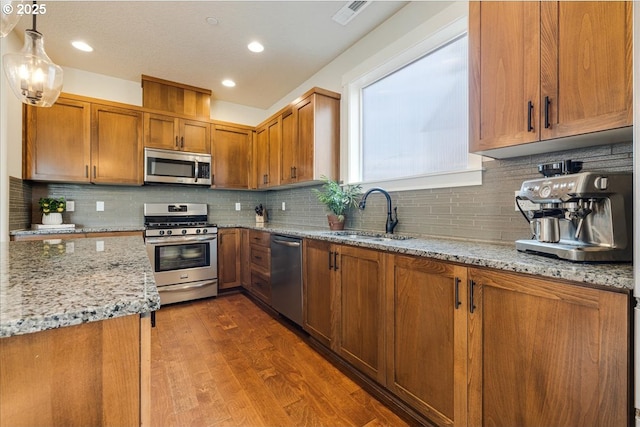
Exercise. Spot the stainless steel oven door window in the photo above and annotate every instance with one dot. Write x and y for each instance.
(177, 260)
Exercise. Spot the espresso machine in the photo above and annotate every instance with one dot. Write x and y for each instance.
(580, 216)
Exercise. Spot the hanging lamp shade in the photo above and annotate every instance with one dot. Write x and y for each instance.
(8, 16)
(33, 77)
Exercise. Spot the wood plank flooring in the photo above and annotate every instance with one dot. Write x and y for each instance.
(225, 362)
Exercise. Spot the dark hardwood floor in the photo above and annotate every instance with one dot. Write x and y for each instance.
(225, 362)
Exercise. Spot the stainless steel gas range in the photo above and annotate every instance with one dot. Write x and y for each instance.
(182, 248)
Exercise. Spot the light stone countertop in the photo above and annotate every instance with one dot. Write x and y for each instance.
(616, 276)
(44, 232)
(51, 284)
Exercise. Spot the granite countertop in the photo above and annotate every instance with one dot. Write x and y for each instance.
(44, 232)
(618, 276)
(56, 283)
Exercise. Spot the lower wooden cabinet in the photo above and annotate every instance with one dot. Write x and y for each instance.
(344, 303)
(228, 258)
(260, 261)
(473, 346)
(427, 336)
(245, 259)
(547, 354)
(93, 374)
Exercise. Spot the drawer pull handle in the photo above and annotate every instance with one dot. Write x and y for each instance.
(457, 293)
(472, 306)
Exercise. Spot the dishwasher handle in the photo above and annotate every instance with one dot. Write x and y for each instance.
(291, 244)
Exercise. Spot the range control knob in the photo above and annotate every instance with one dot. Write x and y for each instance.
(169, 232)
(161, 232)
(601, 182)
(197, 231)
(184, 231)
(205, 231)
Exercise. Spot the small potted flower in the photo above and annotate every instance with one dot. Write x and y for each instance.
(338, 199)
(52, 208)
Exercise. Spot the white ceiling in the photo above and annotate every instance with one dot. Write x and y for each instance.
(172, 40)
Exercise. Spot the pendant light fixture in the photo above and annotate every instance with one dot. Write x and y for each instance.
(9, 16)
(33, 77)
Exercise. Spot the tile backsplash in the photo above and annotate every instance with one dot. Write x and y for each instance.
(485, 212)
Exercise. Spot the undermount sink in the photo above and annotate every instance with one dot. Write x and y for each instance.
(363, 235)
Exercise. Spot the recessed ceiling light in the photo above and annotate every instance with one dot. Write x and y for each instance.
(228, 83)
(212, 21)
(255, 47)
(82, 46)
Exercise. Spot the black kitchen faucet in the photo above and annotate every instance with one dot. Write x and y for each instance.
(391, 222)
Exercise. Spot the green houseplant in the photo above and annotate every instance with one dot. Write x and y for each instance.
(52, 208)
(338, 199)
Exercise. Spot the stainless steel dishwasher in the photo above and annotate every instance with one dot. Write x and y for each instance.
(286, 276)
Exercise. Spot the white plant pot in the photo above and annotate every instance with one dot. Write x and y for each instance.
(54, 218)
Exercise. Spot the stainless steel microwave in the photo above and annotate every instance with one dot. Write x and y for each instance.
(176, 167)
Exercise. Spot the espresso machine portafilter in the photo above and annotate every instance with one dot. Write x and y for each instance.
(585, 216)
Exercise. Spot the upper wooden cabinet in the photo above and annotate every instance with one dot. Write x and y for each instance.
(230, 148)
(547, 70)
(116, 145)
(543, 353)
(78, 141)
(267, 153)
(57, 142)
(311, 138)
(173, 133)
(176, 98)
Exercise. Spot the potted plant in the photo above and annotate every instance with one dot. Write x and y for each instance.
(52, 208)
(338, 199)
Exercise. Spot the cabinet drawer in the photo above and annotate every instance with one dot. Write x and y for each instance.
(261, 238)
(261, 286)
(261, 257)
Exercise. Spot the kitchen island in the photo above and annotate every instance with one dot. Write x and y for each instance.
(75, 332)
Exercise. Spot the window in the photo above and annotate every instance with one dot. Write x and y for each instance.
(408, 118)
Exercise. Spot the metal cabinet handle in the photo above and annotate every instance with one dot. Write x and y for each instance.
(335, 261)
(295, 172)
(530, 117)
(177, 141)
(330, 265)
(94, 171)
(547, 105)
(182, 142)
(472, 306)
(86, 171)
(457, 292)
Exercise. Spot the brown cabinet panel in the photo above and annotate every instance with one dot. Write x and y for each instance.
(173, 133)
(261, 257)
(230, 150)
(360, 283)
(267, 153)
(427, 336)
(116, 146)
(228, 258)
(504, 45)
(89, 374)
(57, 143)
(245, 256)
(586, 53)
(161, 131)
(261, 286)
(289, 147)
(545, 353)
(319, 296)
(546, 70)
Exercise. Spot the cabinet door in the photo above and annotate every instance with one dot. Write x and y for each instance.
(289, 147)
(228, 258)
(306, 136)
(427, 336)
(195, 136)
(261, 156)
(504, 73)
(245, 256)
(161, 132)
(58, 142)
(230, 156)
(360, 287)
(586, 73)
(547, 354)
(275, 137)
(116, 145)
(319, 292)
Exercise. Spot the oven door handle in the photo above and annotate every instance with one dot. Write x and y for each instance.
(184, 288)
(179, 240)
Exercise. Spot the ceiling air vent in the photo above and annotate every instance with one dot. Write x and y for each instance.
(349, 11)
